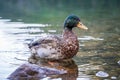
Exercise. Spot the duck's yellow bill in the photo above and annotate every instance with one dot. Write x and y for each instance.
(81, 26)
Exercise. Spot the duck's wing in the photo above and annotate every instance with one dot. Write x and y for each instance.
(45, 40)
(47, 47)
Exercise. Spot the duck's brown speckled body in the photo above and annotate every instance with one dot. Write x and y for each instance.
(57, 48)
(70, 44)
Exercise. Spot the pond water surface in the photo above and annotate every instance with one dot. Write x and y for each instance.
(97, 59)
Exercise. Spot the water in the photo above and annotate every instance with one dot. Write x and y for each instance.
(90, 60)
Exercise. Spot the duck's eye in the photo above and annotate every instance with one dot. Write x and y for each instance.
(80, 23)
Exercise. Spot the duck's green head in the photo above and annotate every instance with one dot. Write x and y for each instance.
(73, 21)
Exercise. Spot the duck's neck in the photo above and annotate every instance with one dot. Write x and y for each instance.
(67, 33)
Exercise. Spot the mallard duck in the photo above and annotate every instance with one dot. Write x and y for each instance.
(56, 48)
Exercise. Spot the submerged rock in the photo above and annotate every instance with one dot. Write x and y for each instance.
(45, 70)
(33, 72)
(102, 74)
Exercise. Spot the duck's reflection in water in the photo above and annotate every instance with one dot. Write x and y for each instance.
(41, 69)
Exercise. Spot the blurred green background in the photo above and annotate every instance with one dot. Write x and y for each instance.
(54, 11)
(98, 15)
